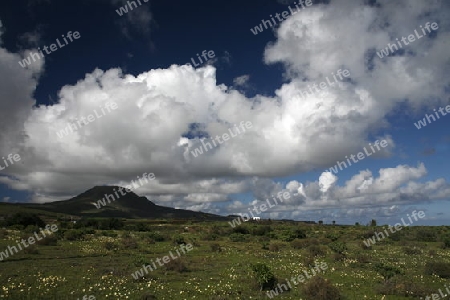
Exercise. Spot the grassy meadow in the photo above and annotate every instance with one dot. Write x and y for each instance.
(86, 259)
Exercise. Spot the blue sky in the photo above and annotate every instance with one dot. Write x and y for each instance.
(140, 61)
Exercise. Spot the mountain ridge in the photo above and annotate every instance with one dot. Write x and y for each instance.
(130, 206)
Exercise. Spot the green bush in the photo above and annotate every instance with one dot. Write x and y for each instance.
(368, 234)
(111, 246)
(426, 235)
(31, 229)
(446, 243)
(50, 240)
(412, 250)
(32, 249)
(264, 276)
(148, 297)
(362, 258)
(297, 244)
(179, 240)
(237, 237)
(396, 237)
(319, 288)
(290, 235)
(309, 261)
(241, 230)
(339, 256)
(24, 219)
(109, 233)
(110, 224)
(74, 235)
(316, 250)
(216, 247)
(261, 230)
(299, 233)
(332, 236)
(387, 271)
(400, 286)
(176, 265)
(441, 269)
(275, 247)
(210, 237)
(87, 222)
(338, 247)
(129, 243)
(142, 227)
(156, 236)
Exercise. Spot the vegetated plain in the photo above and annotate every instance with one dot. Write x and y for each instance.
(96, 256)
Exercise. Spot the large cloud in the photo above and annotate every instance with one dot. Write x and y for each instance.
(162, 114)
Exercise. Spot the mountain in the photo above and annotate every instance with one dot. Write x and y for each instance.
(130, 206)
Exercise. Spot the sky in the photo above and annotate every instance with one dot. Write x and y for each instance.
(281, 90)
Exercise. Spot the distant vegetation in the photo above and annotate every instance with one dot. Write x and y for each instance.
(100, 254)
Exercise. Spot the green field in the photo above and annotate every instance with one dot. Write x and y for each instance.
(410, 264)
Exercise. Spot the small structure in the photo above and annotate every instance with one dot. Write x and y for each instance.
(256, 218)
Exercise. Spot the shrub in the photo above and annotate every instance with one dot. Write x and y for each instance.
(297, 244)
(364, 246)
(441, 269)
(241, 230)
(210, 237)
(412, 251)
(142, 227)
(309, 261)
(304, 243)
(339, 256)
(32, 249)
(368, 234)
(156, 236)
(111, 224)
(31, 229)
(217, 230)
(261, 230)
(73, 235)
(24, 219)
(338, 247)
(403, 287)
(109, 233)
(387, 271)
(264, 276)
(432, 252)
(321, 289)
(299, 233)
(426, 235)
(396, 237)
(179, 240)
(148, 297)
(275, 247)
(216, 248)
(362, 258)
(332, 236)
(176, 265)
(446, 243)
(141, 260)
(316, 250)
(110, 246)
(290, 235)
(87, 222)
(194, 242)
(129, 243)
(237, 237)
(50, 240)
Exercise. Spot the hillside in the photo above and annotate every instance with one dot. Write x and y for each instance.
(129, 206)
